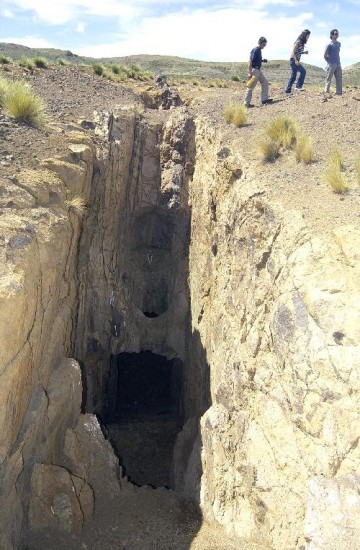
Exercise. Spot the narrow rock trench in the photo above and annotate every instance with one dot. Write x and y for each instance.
(143, 419)
(144, 372)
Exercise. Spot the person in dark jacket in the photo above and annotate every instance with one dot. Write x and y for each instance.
(295, 62)
(256, 75)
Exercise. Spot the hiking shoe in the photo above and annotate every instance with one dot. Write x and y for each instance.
(267, 101)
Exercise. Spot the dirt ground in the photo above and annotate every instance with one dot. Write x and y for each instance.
(71, 96)
(158, 519)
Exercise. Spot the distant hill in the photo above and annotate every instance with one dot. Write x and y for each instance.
(351, 75)
(277, 71)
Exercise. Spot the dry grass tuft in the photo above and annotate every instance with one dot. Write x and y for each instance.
(236, 114)
(282, 129)
(23, 104)
(357, 169)
(336, 161)
(3, 89)
(269, 149)
(240, 115)
(303, 149)
(76, 204)
(334, 178)
(229, 112)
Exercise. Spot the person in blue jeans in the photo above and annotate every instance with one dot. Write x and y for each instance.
(332, 57)
(295, 63)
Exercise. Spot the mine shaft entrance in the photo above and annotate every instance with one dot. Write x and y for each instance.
(144, 415)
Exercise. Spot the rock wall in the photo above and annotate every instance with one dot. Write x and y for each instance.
(263, 315)
(40, 389)
(277, 311)
(134, 256)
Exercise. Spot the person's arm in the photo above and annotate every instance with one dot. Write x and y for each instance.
(293, 56)
(326, 53)
(250, 63)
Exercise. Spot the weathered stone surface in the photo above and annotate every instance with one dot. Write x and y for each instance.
(277, 312)
(90, 456)
(40, 390)
(59, 499)
(332, 519)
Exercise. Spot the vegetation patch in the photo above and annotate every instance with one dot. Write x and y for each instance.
(236, 114)
(76, 204)
(40, 63)
(282, 129)
(269, 149)
(303, 149)
(20, 101)
(357, 169)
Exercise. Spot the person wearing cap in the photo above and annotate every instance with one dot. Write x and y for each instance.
(295, 63)
(332, 57)
(256, 74)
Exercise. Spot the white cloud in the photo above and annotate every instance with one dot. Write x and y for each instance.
(7, 13)
(30, 41)
(80, 27)
(221, 35)
(57, 12)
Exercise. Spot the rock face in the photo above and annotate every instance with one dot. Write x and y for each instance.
(40, 390)
(277, 310)
(134, 258)
(179, 254)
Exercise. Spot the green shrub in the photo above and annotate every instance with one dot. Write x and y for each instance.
(26, 63)
(235, 78)
(62, 62)
(98, 69)
(4, 60)
(40, 63)
(116, 69)
(23, 104)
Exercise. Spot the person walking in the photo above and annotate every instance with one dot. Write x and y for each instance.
(295, 63)
(332, 57)
(256, 75)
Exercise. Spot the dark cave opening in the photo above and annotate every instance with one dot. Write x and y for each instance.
(143, 418)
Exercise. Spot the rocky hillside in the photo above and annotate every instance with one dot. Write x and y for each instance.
(172, 67)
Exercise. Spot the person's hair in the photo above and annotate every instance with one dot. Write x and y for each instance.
(333, 32)
(303, 37)
(262, 40)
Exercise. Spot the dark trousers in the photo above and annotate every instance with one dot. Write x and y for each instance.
(294, 70)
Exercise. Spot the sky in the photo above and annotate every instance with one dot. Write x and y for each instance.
(208, 30)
